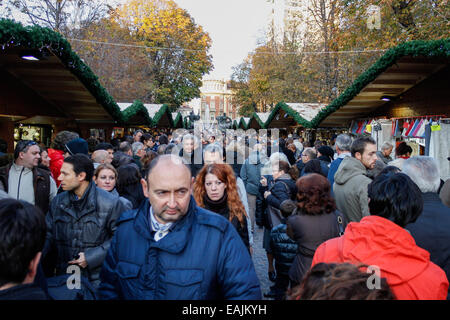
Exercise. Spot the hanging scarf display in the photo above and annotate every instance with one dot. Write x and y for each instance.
(421, 132)
(411, 125)
(411, 132)
(398, 131)
(419, 125)
(405, 127)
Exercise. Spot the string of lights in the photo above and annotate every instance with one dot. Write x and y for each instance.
(198, 50)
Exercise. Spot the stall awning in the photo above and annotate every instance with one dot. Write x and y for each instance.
(286, 115)
(177, 119)
(397, 71)
(151, 115)
(257, 120)
(41, 63)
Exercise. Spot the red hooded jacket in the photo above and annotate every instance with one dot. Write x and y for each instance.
(379, 242)
(56, 162)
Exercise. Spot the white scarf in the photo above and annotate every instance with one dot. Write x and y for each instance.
(161, 230)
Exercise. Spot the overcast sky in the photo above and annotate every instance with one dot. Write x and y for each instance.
(234, 27)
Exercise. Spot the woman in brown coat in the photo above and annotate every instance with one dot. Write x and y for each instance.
(314, 223)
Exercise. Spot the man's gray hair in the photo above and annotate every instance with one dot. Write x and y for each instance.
(213, 148)
(386, 146)
(344, 142)
(136, 146)
(191, 137)
(424, 172)
(99, 156)
(310, 152)
(188, 137)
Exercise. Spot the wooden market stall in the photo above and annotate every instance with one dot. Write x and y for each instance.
(45, 88)
(395, 99)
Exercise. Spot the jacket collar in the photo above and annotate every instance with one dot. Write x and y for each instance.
(87, 203)
(18, 168)
(178, 236)
(284, 176)
(431, 196)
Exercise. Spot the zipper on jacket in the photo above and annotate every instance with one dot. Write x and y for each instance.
(20, 178)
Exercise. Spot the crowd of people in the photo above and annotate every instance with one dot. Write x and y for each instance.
(171, 215)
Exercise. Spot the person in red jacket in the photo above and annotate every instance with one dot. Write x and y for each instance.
(56, 152)
(380, 241)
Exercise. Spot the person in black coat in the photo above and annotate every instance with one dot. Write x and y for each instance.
(288, 152)
(431, 229)
(284, 250)
(81, 222)
(129, 184)
(283, 188)
(191, 154)
(22, 238)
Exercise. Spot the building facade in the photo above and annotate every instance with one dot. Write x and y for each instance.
(215, 100)
(290, 18)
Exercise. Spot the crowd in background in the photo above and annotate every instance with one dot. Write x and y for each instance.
(330, 210)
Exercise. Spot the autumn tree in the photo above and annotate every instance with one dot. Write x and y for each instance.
(111, 53)
(242, 96)
(5, 10)
(318, 62)
(61, 15)
(176, 48)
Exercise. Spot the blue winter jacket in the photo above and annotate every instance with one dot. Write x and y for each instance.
(283, 248)
(332, 171)
(201, 258)
(334, 166)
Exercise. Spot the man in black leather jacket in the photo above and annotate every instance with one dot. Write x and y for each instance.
(81, 221)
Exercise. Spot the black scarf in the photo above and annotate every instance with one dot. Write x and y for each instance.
(325, 158)
(220, 206)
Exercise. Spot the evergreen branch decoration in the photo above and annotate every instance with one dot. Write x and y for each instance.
(14, 34)
(137, 108)
(416, 48)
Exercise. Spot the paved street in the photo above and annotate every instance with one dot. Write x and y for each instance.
(260, 261)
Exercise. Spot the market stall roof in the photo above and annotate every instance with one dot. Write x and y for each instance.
(243, 123)
(235, 124)
(54, 75)
(177, 119)
(135, 114)
(258, 119)
(292, 114)
(161, 116)
(397, 71)
(150, 115)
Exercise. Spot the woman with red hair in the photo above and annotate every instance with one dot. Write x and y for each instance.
(215, 189)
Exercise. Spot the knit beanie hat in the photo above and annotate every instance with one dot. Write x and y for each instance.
(77, 146)
(326, 151)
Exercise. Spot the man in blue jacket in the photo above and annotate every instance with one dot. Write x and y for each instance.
(170, 248)
(343, 144)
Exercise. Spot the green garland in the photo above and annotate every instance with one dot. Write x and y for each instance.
(158, 116)
(257, 119)
(291, 112)
(242, 124)
(432, 49)
(177, 120)
(137, 108)
(36, 38)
